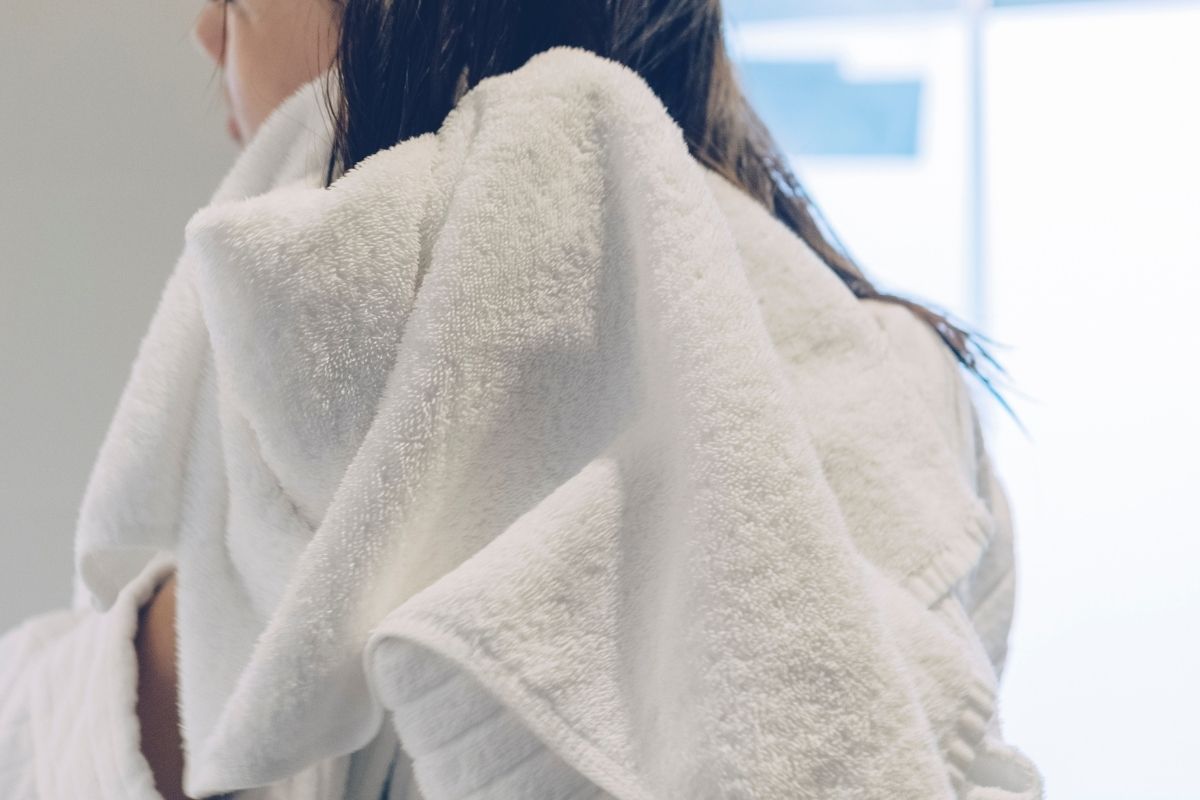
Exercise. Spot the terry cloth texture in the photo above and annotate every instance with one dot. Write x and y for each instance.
(549, 447)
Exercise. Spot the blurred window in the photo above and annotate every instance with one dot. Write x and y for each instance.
(1032, 166)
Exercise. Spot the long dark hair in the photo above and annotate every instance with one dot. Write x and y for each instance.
(401, 65)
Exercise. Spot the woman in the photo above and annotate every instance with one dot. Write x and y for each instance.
(400, 68)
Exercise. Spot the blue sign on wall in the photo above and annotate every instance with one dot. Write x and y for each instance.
(813, 110)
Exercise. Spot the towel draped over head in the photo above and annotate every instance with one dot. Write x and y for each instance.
(551, 447)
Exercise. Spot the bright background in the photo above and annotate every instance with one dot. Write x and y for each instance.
(1030, 166)
(1033, 167)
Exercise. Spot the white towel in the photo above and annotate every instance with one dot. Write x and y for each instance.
(553, 443)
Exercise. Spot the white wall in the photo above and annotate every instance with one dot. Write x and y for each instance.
(1095, 274)
(111, 135)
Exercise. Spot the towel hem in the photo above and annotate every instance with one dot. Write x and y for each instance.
(509, 688)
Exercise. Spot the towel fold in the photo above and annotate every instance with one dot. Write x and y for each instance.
(553, 443)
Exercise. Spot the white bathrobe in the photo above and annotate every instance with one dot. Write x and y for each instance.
(529, 460)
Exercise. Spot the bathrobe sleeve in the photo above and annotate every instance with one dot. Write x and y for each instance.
(68, 700)
(991, 595)
(985, 596)
(987, 592)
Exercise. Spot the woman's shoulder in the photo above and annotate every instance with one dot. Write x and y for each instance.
(935, 374)
(987, 594)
